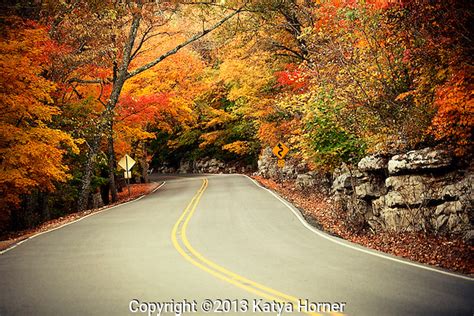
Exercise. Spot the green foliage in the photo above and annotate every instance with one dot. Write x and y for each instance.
(329, 142)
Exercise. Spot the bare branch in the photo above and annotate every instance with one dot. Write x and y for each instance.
(87, 81)
(122, 69)
(142, 40)
(79, 95)
(223, 6)
(185, 43)
(99, 98)
(138, 52)
(292, 52)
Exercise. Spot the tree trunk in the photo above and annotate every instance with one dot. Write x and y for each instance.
(119, 81)
(112, 165)
(143, 162)
(88, 170)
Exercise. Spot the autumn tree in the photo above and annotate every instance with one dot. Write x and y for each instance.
(354, 76)
(439, 52)
(31, 151)
(139, 22)
(333, 79)
(160, 100)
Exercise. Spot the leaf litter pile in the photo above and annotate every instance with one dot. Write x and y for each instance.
(136, 190)
(450, 253)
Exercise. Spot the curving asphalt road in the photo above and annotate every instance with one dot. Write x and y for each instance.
(214, 237)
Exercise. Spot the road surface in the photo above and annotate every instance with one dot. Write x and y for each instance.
(219, 238)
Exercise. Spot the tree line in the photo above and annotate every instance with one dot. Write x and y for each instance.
(84, 82)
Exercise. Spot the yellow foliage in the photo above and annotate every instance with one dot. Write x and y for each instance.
(245, 70)
(238, 147)
(210, 138)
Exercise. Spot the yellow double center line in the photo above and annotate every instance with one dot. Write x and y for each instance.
(197, 259)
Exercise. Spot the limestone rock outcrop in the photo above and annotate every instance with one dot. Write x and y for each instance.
(417, 191)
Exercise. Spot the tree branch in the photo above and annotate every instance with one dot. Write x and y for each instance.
(185, 43)
(138, 51)
(222, 6)
(87, 81)
(293, 52)
(142, 40)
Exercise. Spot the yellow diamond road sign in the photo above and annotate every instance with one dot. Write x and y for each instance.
(126, 163)
(280, 150)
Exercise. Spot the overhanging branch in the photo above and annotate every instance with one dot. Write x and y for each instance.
(86, 81)
(185, 43)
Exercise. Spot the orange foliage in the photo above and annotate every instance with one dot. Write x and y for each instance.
(269, 133)
(160, 98)
(31, 153)
(454, 121)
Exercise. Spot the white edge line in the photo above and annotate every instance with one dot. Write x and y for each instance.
(77, 220)
(347, 243)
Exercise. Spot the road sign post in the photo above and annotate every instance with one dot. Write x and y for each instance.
(127, 179)
(281, 163)
(127, 163)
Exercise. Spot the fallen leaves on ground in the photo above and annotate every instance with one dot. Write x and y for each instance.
(136, 190)
(448, 252)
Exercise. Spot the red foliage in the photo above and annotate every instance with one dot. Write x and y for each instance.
(136, 190)
(292, 78)
(146, 108)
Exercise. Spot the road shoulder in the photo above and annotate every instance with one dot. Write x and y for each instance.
(445, 254)
(13, 239)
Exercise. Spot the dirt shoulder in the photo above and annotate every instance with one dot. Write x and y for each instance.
(136, 191)
(450, 253)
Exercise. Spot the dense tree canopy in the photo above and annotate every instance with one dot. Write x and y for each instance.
(84, 82)
(32, 151)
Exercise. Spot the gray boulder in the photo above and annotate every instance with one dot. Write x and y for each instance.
(461, 190)
(371, 189)
(372, 163)
(413, 190)
(304, 181)
(448, 208)
(419, 160)
(185, 167)
(345, 180)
